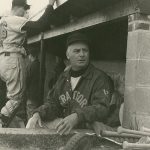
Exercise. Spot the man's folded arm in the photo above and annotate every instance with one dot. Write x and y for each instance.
(100, 103)
(51, 108)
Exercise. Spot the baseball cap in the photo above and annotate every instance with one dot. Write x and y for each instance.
(77, 37)
(22, 3)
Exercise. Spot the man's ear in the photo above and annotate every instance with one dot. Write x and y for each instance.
(68, 57)
(67, 54)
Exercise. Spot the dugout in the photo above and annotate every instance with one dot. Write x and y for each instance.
(119, 34)
(119, 31)
(100, 21)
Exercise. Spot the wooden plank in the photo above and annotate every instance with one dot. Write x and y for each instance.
(116, 11)
(79, 8)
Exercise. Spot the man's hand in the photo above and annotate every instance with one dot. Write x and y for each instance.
(35, 120)
(67, 124)
(51, 2)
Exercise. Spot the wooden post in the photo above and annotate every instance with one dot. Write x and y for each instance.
(42, 67)
(137, 84)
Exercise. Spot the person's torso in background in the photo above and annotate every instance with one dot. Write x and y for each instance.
(11, 36)
(33, 72)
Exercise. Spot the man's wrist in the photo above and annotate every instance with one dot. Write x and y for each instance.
(76, 118)
(36, 115)
(51, 2)
(80, 115)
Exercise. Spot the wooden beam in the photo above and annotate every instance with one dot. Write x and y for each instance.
(116, 11)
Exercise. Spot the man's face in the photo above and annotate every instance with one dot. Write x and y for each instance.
(21, 11)
(78, 55)
(26, 14)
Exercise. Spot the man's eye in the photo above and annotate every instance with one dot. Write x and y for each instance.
(76, 50)
(85, 50)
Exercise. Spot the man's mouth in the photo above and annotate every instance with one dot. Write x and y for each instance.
(81, 60)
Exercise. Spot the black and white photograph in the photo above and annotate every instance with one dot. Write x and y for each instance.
(74, 74)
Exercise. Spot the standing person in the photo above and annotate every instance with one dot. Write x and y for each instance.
(13, 30)
(33, 77)
(81, 95)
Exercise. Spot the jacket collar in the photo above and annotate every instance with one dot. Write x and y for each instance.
(88, 74)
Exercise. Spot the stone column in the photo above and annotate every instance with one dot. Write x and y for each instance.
(137, 83)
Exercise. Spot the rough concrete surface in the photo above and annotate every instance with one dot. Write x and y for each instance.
(43, 139)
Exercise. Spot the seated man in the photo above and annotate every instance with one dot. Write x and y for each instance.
(81, 95)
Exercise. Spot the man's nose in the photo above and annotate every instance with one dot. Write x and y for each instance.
(82, 53)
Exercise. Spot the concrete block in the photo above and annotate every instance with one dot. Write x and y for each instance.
(138, 25)
(39, 139)
(142, 98)
(138, 16)
(129, 120)
(132, 46)
(138, 45)
(130, 77)
(142, 120)
(144, 45)
(31, 139)
(129, 96)
(143, 73)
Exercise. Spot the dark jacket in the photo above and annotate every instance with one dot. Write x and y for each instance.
(90, 99)
(116, 101)
(41, 24)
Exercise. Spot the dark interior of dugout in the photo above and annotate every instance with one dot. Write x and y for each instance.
(108, 48)
(108, 41)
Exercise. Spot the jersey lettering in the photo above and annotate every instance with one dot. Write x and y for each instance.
(77, 96)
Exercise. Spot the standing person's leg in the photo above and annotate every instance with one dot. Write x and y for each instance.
(2, 93)
(12, 71)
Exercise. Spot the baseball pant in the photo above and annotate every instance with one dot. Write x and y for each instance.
(13, 73)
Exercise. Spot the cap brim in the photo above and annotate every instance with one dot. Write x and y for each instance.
(77, 40)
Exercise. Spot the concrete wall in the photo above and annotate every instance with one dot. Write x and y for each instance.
(111, 66)
(46, 139)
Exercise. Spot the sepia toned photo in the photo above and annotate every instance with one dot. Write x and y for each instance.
(74, 75)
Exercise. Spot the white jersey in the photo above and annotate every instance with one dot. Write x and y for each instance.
(11, 36)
